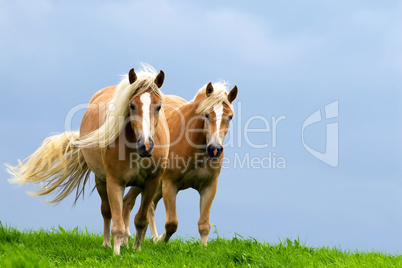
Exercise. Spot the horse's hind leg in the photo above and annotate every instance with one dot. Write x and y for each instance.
(140, 220)
(206, 197)
(169, 191)
(128, 204)
(105, 210)
(151, 213)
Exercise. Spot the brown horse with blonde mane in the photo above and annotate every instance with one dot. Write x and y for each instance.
(122, 126)
(197, 130)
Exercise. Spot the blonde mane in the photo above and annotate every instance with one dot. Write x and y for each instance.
(118, 108)
(218, 96)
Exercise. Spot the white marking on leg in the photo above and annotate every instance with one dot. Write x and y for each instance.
(218, 109)
(146, 120)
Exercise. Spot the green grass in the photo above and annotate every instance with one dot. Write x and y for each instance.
(61, 248)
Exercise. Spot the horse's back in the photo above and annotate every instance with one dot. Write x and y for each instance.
(175, 101)
(105, 94)
(96, 110)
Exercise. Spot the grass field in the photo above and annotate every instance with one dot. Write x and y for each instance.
(61, 248)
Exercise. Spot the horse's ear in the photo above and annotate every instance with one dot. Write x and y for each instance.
(160, 78)
(132, 77)
(232, 94)
(209, 89)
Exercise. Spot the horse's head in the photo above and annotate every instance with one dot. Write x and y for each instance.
(216, 122)
(144, 108)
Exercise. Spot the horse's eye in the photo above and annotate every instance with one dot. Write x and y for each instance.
(132, 106)
(207, 116)
(230, 117)
(158, 107)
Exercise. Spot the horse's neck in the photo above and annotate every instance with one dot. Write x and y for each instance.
(127, 135)
(196, 137)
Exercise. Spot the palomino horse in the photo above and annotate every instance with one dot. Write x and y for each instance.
(197, 130)
(122, 124)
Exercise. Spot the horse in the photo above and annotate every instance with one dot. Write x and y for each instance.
(197, 130)
(123, 125)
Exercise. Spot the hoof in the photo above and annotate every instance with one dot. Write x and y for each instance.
(125, 240)
(137, 248)
(157, 239)
(106, 245)
(117, 250)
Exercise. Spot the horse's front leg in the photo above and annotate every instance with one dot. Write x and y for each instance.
(207, 195)
(115, 191)
(141, 220)
(128, 204)
(105, 210)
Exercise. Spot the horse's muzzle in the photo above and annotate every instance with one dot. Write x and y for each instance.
(214, 151)
(145, 148)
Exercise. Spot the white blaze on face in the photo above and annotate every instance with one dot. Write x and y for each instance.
(146, 119)
(218, 109)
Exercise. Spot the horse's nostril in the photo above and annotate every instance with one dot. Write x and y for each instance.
(140, 144)
(214, 150)
(145, 146)
(151, 143)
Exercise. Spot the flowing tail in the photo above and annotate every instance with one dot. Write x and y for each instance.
(57, 166)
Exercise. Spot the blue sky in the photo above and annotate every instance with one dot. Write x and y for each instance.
(288, 59)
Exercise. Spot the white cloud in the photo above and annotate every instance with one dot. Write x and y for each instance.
(253, 40)
(23, 10)
(382, 25)
(232, 33)
(35, 10)
(370, 19)
(138, 16)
